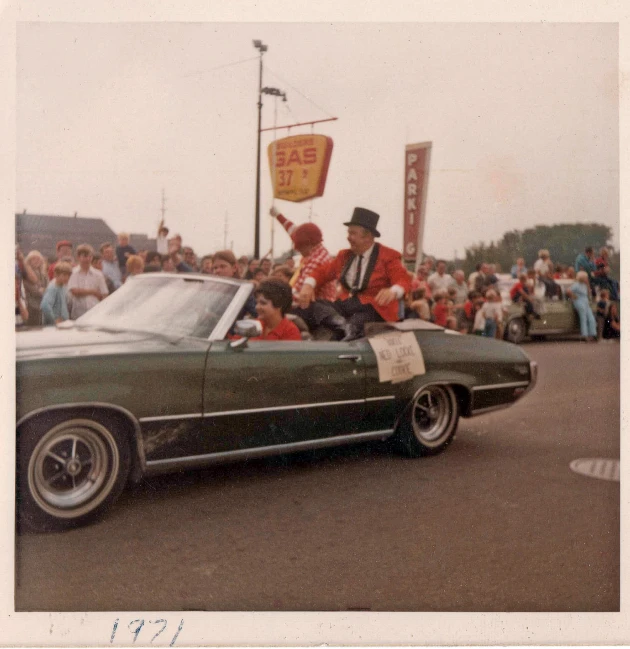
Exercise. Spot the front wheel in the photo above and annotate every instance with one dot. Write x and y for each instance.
(69, 472)
(516, 330)
(430, 422)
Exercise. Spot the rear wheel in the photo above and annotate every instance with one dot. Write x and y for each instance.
(68, 472)
(430, 422)
(516, 330)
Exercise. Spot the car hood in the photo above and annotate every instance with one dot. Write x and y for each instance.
(51, 342)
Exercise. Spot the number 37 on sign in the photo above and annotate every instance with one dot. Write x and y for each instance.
(299, 166)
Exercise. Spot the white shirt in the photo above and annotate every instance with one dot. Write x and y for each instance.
(93, 279)
(352, 270)
(161, 245)
(542, 267)
(492, 310)
(439, 282)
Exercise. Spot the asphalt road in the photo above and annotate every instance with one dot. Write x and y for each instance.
(498, 522)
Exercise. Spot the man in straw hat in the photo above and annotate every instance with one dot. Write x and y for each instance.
(372, 276)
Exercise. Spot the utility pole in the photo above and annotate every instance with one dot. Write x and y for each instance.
(163, 208)
(262, 48)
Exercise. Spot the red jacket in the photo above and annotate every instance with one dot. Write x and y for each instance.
(384, 273)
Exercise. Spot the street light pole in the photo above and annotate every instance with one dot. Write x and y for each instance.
(261, 47)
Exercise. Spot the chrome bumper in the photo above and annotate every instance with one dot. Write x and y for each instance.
(533, 377)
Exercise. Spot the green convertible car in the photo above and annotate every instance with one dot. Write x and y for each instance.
(149, 382)
(557, 316)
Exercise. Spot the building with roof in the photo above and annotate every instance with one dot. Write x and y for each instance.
(41, 232)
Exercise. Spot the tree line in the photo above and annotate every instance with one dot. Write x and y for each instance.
(564, 242)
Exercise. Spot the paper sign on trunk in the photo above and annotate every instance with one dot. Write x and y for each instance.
(398, 356)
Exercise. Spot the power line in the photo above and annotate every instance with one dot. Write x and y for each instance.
(219, 67)
(296, 90)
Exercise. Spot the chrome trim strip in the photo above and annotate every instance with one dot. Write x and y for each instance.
(96, 404)
(387, 398)
(142, 420)
(498, 386)
(159, 466)
(250, 411)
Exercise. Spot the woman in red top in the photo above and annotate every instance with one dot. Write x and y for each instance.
(273, 300)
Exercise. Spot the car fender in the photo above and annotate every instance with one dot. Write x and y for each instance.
(139, 464)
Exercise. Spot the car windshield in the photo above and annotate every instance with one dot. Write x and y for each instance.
(168, 305)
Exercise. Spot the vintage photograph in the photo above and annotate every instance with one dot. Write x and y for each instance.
(316, 317)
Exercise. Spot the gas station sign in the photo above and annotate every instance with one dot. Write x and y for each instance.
(299, 166)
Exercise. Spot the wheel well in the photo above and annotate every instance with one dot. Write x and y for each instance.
(462, 394)
(101, 413)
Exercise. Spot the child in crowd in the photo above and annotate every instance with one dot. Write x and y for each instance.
(607, 317)
(466, 315)
(451, 319)
(419, 304)
(134, 265)
(283, 273)
(123, 251)
(440, 308)
(54, 304)
(492, 313)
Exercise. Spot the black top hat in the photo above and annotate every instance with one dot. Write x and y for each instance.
(366, 219)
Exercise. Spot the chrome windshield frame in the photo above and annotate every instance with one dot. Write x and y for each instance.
(220, 331)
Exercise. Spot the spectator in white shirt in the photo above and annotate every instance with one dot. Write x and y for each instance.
(86, 287)
(440, 281)
(461, 287)
(162, 239)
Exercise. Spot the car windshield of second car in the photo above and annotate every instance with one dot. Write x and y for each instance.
(173, 306)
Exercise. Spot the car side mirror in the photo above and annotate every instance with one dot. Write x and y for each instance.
(246, 329)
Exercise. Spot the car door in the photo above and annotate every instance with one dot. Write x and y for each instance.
(558, 316)
(272, 393)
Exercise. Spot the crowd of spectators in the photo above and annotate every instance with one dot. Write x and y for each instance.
(50, 291)
(475, 305)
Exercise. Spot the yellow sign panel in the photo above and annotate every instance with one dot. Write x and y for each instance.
(299, 166)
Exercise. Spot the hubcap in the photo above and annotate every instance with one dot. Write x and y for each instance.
(73, 468)
(431, 414)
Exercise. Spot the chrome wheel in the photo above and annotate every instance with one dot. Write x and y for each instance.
(431, 414)
(73, 468)
(516, 330)
(431, 421)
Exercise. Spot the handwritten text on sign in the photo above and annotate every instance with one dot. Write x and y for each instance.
(398, 356)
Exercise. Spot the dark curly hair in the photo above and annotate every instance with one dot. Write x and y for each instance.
(277, 292)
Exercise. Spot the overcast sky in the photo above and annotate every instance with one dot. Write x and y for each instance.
(523, 118)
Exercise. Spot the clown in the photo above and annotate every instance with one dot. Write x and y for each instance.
(308, 241)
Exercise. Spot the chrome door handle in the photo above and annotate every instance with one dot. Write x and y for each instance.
(349, 357)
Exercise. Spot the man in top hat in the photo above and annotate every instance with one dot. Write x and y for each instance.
(372, 276)
(308, 241)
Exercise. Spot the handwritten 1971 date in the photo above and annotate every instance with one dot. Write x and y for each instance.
(135, 626)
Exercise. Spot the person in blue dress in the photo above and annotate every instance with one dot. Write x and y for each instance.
(579, 292)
